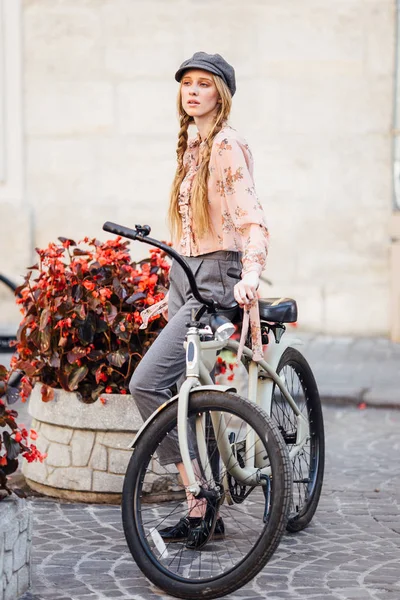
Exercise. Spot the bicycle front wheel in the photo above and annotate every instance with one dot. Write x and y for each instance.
(248, 528)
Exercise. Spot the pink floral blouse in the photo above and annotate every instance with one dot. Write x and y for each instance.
(237, 217)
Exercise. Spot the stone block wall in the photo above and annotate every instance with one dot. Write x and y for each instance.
(88, 447)
(15, 548)
(92, 461)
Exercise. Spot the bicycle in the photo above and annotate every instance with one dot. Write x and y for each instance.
(5, 336)
(236, 459)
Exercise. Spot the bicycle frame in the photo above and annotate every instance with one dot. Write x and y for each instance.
(262, 377)
(200, 359)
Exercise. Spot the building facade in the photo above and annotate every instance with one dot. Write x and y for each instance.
(89, 129)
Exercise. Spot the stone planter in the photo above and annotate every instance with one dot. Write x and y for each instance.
(87, 447)
(15, 547)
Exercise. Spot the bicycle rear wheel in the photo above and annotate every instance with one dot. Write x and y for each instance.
(308, 464)
(254, 522)
(9, 311)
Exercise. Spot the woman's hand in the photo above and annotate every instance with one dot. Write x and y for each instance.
(245, 290)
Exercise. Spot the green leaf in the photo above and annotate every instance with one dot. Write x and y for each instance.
(77, 292)
(117, 359)
(47, 393)
(87, 329)
(102, 326)
(44, 318)
(79, 252)
(55, 360)
(76, 353)
(62, 376)
(110, 312)
(25, 323)
(97, 392)
(95, 355)
(119, 289)
(76, 377)
(3, 373)
(12, 447)
(121, 327)
(135, 297)
(12, 395)
(45, 339)
(81, 311)
(63, 239)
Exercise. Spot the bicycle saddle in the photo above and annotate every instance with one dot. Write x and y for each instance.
(274, 310)
(278, 310)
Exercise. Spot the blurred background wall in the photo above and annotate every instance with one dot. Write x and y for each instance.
(89, 131)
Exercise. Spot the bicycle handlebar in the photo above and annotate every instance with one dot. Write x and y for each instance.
(141, 234)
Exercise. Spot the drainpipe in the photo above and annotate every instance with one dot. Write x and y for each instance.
(395, 217)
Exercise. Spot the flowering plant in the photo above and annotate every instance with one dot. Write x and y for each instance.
(13, 439)
(225, 365)
(81, 315)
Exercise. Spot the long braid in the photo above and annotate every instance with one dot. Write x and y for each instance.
(175, 224)
(182, 139)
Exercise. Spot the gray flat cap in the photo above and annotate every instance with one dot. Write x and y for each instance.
(214, 63)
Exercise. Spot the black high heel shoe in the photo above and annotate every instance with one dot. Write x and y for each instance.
(180, 531)
(199, 536)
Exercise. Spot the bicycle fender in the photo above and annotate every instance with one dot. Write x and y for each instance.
(273, 352)
(216, 388)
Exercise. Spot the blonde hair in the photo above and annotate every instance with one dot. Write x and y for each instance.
(199, 192)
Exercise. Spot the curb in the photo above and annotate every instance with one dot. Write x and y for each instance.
(358, 402)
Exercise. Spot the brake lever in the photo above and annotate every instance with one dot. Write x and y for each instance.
(143, 230)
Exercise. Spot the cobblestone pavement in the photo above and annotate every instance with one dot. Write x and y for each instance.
(351, 550)
(354, 370)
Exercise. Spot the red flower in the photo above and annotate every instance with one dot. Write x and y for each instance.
(89, 285)
(18, 437)
(103, 400)
(33, 454)
(3, 461)
(108, 390)
(105, 293)
(33, 435)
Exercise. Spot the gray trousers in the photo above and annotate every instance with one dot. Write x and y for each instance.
(164, 363)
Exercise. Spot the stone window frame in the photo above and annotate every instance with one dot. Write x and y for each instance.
(11, 128)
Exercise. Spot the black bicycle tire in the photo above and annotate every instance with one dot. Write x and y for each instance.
(6, 339)
(294, 358)
(265, 546)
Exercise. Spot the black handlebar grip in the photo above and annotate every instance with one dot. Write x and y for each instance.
(234, 273)
(120, 230)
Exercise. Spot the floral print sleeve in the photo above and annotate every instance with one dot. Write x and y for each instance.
(242, 209)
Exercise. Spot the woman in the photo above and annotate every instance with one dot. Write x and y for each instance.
(216, 222)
